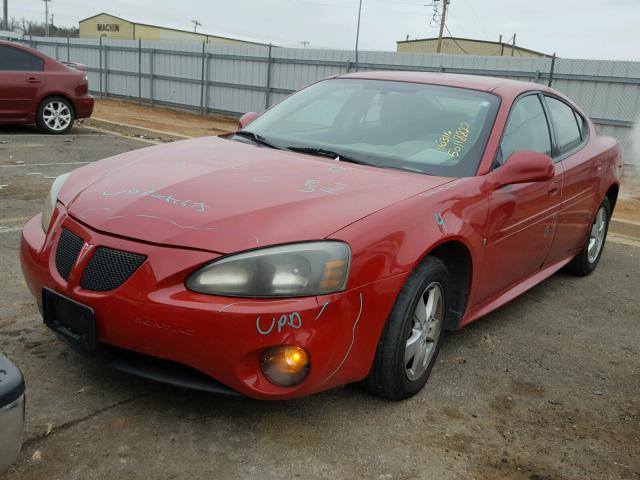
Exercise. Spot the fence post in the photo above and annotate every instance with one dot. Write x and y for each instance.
(68, 50)
(106, 70)
(151, 71)
(140, 70)
(100, 55)
(553, 66)
(202, 79)
(206, 84)
(57, 55)
(267, 96)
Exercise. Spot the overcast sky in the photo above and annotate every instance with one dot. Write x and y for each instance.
(602, 29)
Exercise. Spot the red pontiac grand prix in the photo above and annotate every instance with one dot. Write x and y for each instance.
(332, 239)
(35, 88)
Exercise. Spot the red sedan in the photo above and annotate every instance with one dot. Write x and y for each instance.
(37, 89)
(333, 239)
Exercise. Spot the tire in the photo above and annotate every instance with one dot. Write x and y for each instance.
(587, 260)
(55, 116)
(392, 376)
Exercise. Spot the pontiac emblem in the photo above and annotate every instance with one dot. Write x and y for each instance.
(86, 248)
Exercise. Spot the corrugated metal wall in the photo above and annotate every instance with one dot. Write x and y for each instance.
(233, 80)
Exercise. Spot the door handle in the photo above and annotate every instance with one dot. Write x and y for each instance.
(554, 188)
(33, 80)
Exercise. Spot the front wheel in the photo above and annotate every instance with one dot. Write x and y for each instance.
(587, 260)
(411, 339)
(55, 115)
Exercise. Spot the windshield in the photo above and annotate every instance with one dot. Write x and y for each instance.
(423, 128)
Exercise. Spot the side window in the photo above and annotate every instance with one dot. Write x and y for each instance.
(583, 125)
(18, 60)
(563, 118)
(526, 129)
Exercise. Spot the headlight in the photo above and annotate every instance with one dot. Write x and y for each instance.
(50, 201)
(302, 269)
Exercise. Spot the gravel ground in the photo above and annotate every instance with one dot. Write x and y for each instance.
(547, 387)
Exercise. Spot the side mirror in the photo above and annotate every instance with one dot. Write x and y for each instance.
(11, 412)
(246, 119)
(523, 166)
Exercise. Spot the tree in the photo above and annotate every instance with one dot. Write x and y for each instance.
(38, 29)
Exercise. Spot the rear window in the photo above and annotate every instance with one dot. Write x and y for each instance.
(14, 59)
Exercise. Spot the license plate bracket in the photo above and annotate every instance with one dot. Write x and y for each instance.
(74, 322)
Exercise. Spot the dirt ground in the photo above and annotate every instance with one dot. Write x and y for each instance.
(162, 119)
(629, 201)
(545, 388)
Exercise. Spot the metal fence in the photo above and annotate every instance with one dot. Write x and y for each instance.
(232, 80)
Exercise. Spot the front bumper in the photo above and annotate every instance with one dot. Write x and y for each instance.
(154, 314)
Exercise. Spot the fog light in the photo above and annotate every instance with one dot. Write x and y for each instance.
(285, 365)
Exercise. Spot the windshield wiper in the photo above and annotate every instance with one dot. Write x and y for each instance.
(323, 152)
(256, 138)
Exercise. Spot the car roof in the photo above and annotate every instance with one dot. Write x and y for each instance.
(500, 86)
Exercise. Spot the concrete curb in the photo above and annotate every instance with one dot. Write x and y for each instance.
(134, 130)
(626, 228)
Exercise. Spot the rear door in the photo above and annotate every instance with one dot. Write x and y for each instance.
(580, 185)
(22, 80)
(521, 217)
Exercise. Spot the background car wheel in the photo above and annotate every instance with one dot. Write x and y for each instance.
(55, 115)
(411, 339)
(587, 260)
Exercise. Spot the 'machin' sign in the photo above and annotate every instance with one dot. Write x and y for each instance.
(108, 27)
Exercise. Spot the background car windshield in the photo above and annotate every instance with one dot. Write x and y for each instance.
(424, 128)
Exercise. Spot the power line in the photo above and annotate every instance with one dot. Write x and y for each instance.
(475, 14)
(455, 41)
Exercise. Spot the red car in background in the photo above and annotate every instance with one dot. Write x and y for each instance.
(332, 239)
(35, 88)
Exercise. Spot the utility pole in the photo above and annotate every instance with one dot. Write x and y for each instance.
(46, 17)
(513, 45)
(445, 3)
(5, 16)
(304, 44)
(196, 24)
(358, 31)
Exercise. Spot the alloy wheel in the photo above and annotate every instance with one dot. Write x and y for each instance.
(596, 236)
(56, 115)
(425, 332)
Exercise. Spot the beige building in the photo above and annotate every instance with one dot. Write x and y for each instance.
(466, 46)
(110, 26)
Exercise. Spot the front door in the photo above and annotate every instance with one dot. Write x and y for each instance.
(522, 217)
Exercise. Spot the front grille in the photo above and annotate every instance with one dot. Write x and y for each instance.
(67, 251)
(109, 268)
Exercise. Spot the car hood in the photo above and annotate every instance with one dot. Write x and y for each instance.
(226, 196)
